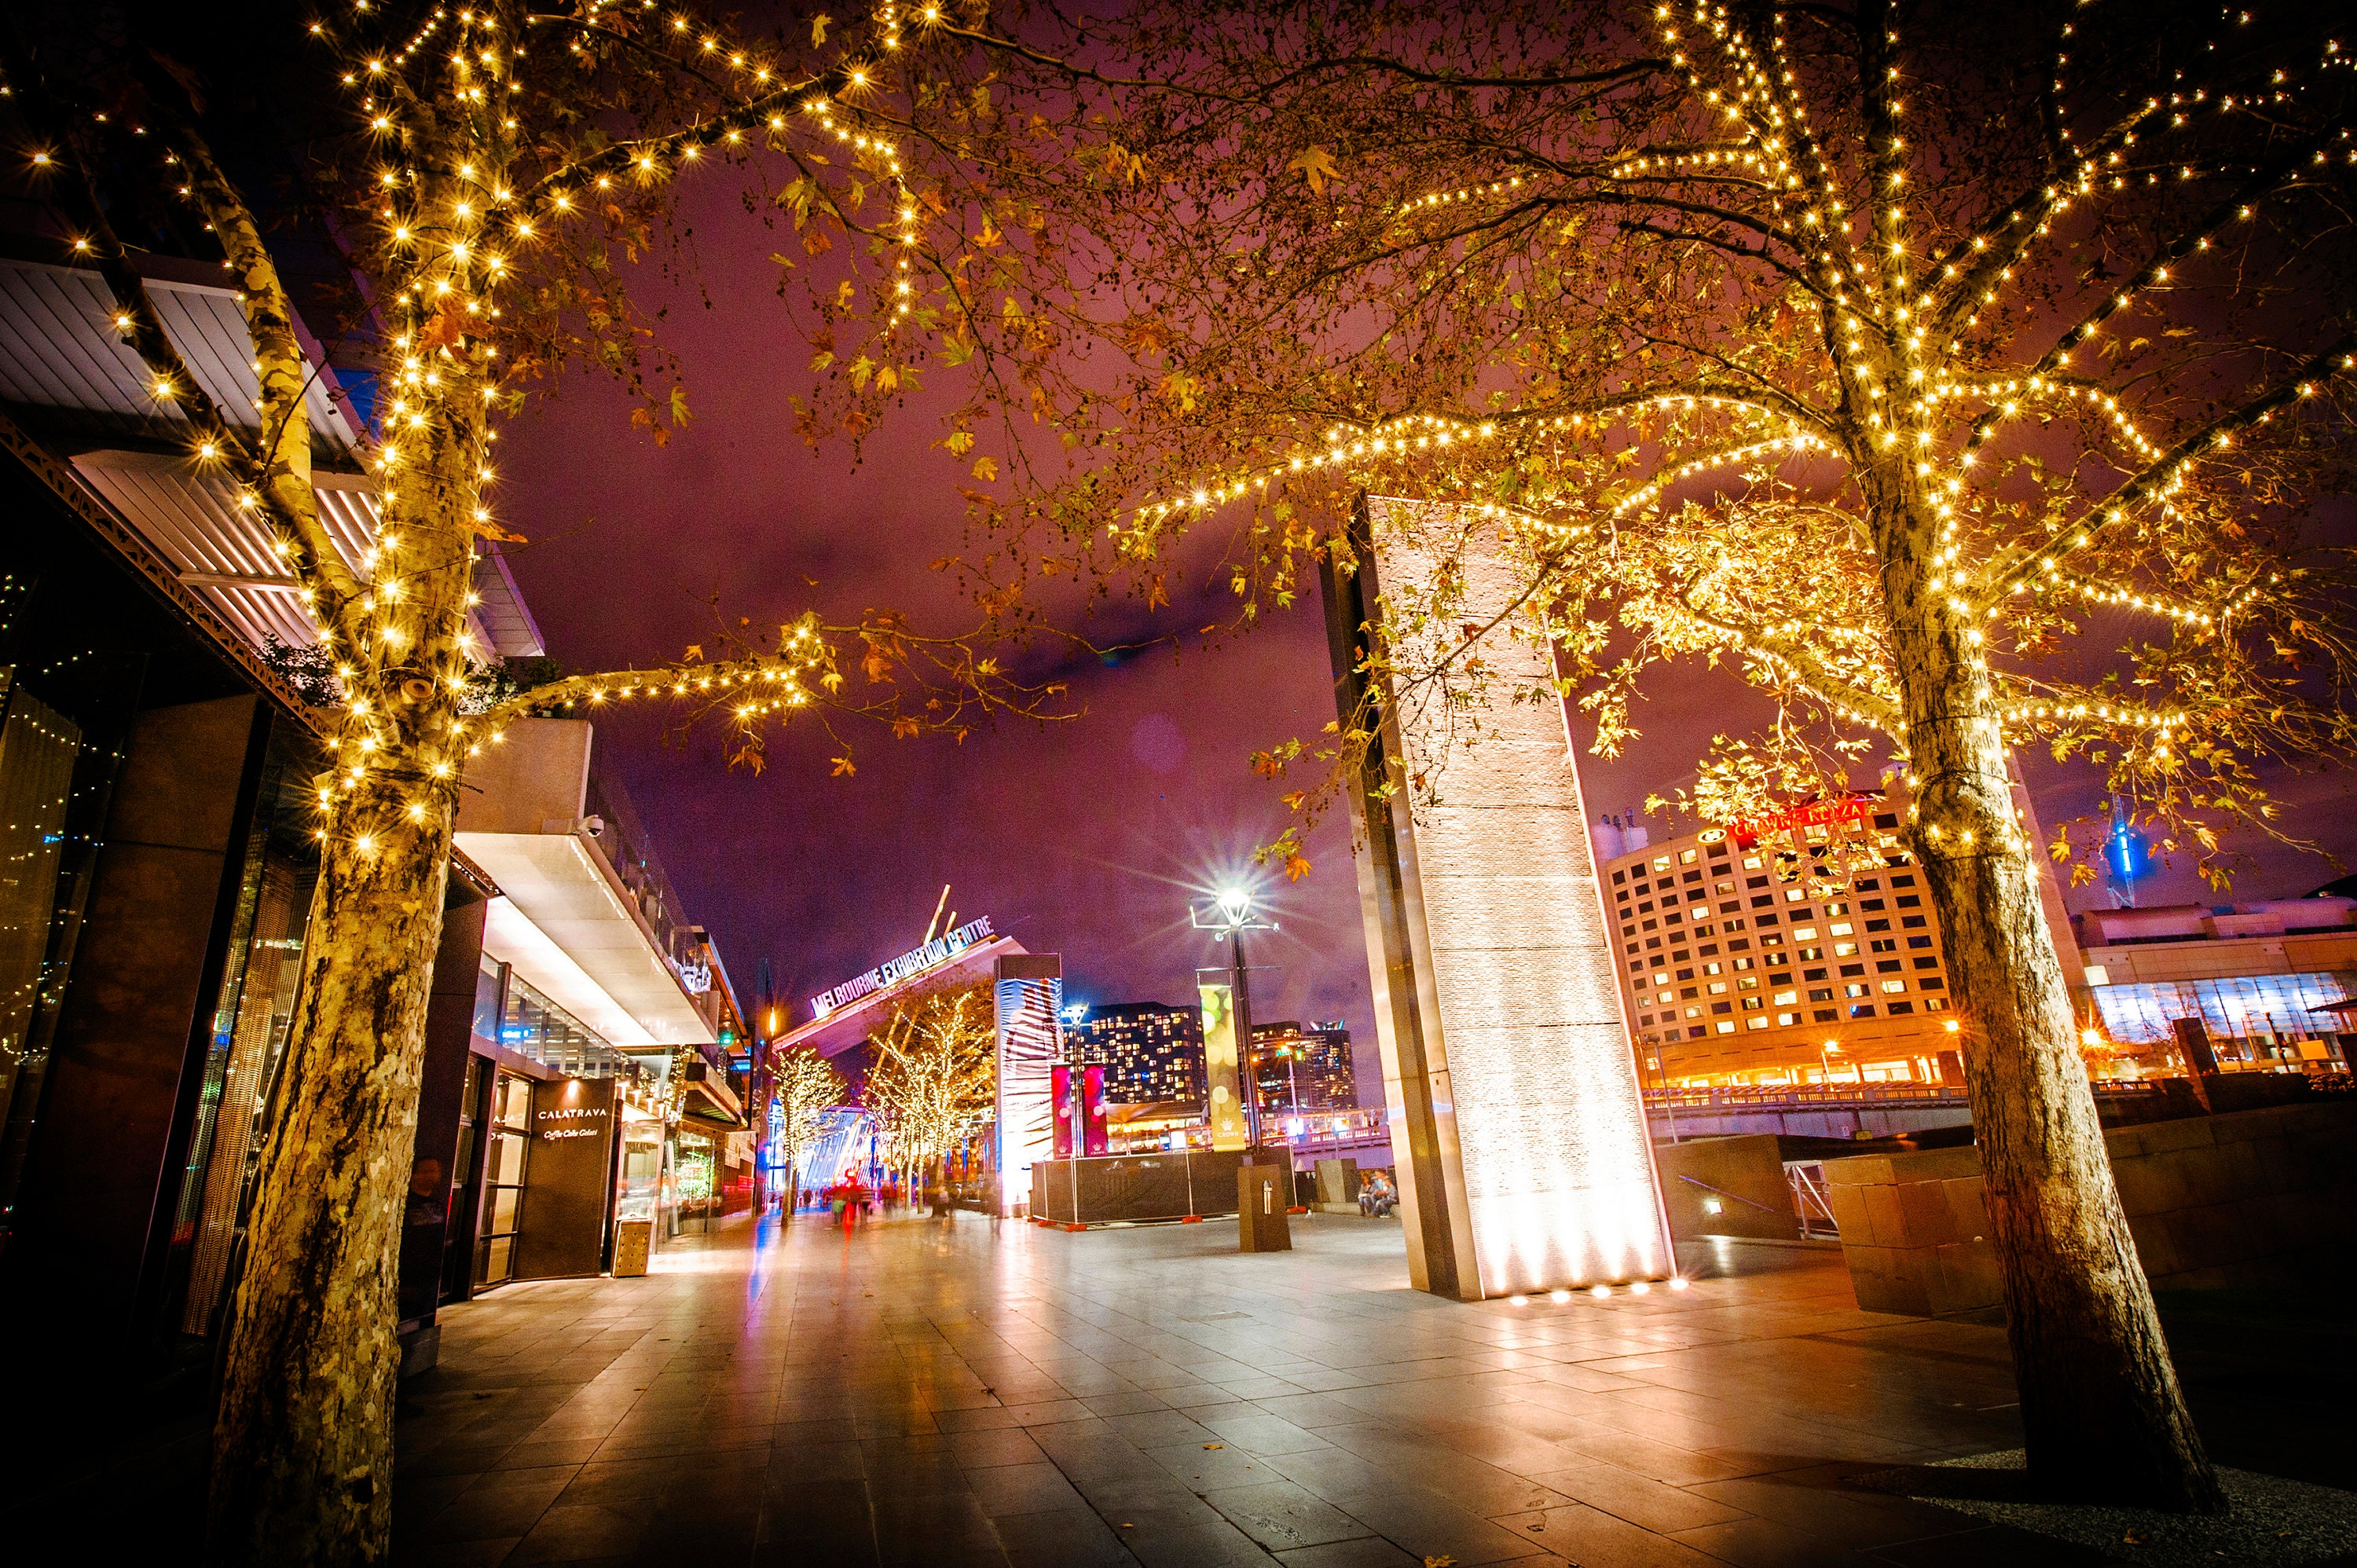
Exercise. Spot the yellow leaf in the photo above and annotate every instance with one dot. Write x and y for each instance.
(818, 29)
(1295, 867)
(984, 469)
(694, 654)
(842, 766)
(1317, 166)
(960, 443)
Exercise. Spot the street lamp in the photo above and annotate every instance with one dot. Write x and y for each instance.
(1825, 1053)
(1228, 917)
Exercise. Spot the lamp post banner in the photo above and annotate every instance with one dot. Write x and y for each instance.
(1223, 1077)
(1518, 1124)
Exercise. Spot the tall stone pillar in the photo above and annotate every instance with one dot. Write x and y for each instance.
(1518, 1128)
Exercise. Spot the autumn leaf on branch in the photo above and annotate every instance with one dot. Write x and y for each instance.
(1317, 166)
(842, 766)
(819, 25)
(442, 331)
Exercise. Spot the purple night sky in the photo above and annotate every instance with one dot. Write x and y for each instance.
(1086, 837)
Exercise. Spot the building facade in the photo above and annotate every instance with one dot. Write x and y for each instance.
(157, 872)
(2263, 978)
(1801, 949)
(1296, 1068)
(1152, 1051)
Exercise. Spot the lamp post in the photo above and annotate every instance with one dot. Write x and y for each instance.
(1228, 918)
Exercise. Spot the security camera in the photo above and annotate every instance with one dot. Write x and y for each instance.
(594, 826)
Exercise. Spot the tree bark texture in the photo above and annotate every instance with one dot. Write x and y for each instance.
(302, 1467)
(2102, 1410)
(302, 1443)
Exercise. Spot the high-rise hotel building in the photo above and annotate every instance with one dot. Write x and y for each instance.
(1304, 1068)
(1152, 1051)
(1800, 948)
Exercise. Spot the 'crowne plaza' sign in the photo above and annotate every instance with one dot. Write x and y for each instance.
(915, 961)
(1817, 813)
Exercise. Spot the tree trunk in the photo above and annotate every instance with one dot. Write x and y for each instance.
(302, 1468)
(2102, 1411)
(302, 1464)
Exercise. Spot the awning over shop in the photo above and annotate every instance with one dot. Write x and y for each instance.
(62, 360)
(710, 1100)
(574, 937)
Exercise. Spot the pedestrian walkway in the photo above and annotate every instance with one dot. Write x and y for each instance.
(972, 1391)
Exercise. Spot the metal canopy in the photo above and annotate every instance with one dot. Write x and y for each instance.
(62, 359)
(581, 943)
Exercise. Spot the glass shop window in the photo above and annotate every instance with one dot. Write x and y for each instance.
(509, 1149)
(252, 1017)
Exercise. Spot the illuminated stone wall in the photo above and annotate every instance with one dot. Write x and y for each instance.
(1511, 1088)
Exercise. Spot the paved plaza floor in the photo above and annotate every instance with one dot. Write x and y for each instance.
(971, 1391)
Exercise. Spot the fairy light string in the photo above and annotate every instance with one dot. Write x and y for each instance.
(1923, 402)
(458, 199)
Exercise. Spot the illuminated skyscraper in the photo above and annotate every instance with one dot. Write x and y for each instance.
(1297, 1068)
(1152, 1051)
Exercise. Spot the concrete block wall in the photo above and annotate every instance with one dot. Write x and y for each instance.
(2247, 1199)
(1743, 1176)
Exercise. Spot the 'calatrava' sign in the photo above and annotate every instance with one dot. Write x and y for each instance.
(916, 961)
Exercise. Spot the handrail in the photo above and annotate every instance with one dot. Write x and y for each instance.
(1738, 1198)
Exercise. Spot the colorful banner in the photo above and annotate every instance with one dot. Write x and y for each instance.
(1223, 1077)
(1094, 1139)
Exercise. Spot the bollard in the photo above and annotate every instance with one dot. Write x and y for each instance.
(1264, 1193)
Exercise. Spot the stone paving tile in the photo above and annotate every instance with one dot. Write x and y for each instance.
(1596, 1539)
(1280, 1515)
(1037, 1487)
(1257, 1432)
(1070, 1538)
(1203, 1467)
(972, 1393)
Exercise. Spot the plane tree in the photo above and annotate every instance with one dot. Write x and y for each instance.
(935, 1074)
(806, 1087)
(508, 186)
(1969, 378)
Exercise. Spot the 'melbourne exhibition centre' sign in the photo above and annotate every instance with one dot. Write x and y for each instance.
(915, 961)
